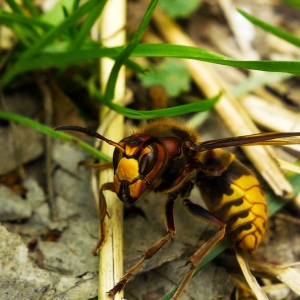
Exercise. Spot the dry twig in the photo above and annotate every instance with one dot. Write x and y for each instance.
(48, 110)
(111, 255)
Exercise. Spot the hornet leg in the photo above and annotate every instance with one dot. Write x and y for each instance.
(151, 251)
(109, 186)
(204, 216)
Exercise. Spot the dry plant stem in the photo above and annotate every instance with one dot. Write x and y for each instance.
(285, 165)
(275, 117)
(111, 255)
(255, 287)
(238, 30)
(48, 111)
(233, 114)
(283, 273)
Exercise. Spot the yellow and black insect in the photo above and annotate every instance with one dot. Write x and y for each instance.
(166, 157)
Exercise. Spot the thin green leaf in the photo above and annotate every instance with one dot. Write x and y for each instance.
(23, 36)
(75, 5)
(110, 87)
(65, 12)
(13, 18)
(62, 60)
(275, 203)
(165, 112)
(49, 37)
(15, 6)
(72, 30)
(145, 50)
(48, 60)
(178, 51)
(200, 106)
(85, 29)
(23, 27)
(166, 50)
(294, 3)
(272, 29)
(56, 134)
(31, 7)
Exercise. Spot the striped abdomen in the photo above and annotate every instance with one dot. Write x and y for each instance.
(234, 196)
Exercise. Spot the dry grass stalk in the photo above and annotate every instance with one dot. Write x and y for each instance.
(111, 255)
(48, 112)
(236, 24)
(255, 287)
(275, 117)
(232, 112)
(283, 273)
(285, 165)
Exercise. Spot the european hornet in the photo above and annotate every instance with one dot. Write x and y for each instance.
(167, 157)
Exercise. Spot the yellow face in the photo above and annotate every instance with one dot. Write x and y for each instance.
(128, 169)
(129, 184)
(137, 166)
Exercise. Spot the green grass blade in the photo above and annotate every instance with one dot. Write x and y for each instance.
(294, 3)
(15, 7)
(178, 51)
(47, 60)
(110, 87)
(23, 35)
(166, 112)
(200, 106)
(87, 25)
(272, 29)
(60, 60)
(31, 8)
(67, 58)
(55, 134)
(75, 5)
(24, 28)
(275, 203)
(53, 33)
(12, 18)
